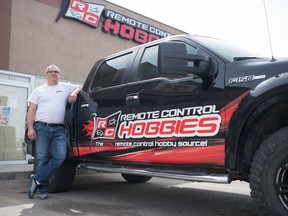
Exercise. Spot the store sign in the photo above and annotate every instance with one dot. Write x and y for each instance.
(113, 22)
(85, 12)
(129, 28)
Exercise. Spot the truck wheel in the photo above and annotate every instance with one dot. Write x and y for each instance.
(63, 178)
(135, 178)
(269, 175)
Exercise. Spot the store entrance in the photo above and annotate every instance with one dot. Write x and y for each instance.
(13, 107)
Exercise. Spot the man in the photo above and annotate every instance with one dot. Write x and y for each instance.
(45, 122)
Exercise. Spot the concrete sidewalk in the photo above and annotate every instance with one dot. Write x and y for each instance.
(23, 171)
(15, 171)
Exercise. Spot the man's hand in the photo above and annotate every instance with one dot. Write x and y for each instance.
(31, 134)
(72, 98)
(30, 121)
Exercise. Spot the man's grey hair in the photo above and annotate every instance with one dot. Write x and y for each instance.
(47, 68)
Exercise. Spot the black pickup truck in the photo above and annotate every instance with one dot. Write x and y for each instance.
(184, 107)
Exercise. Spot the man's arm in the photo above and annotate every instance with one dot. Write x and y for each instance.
(30, 121)
(73, 96)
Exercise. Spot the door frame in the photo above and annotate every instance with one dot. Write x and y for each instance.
(14, 79)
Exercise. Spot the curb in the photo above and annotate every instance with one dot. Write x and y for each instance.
(15, 171)
(23, 171)
(15, 175)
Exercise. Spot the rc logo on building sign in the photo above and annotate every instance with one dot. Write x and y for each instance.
(87, 13)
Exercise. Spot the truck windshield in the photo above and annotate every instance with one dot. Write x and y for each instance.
(227, 50)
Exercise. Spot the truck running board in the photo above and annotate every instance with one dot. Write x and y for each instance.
(189, 176)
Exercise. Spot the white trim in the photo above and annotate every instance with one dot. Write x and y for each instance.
(15, 73)
(29, 85)
(9, 162)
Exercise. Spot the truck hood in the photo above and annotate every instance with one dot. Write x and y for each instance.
(257, 66)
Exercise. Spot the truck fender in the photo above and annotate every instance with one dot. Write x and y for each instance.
(259, 99)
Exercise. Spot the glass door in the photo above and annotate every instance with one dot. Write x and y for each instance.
(13, 107)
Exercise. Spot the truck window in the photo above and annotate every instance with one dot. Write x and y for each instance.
(110, 72)
(148, 67)
(191, 50)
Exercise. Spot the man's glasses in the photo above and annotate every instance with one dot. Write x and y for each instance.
(53, 72)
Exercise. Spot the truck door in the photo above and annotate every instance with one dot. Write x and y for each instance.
(99, 107)
(175, 114)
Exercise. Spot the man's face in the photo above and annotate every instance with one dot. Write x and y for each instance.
(53, 74)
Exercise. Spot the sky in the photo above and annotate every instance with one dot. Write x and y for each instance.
(242, 22)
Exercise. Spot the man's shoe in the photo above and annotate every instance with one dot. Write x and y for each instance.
(32, 187)
(43, 196)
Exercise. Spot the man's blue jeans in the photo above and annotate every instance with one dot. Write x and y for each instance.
(50, 152)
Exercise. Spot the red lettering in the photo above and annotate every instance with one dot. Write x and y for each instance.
(138, 129)
(109, 133)
(127, 32)
(91, 18)
(188, 126)
(141, 36)
(167, 127)
(209, 125)
(202, 126)
(125, 130)
(110, 26)
(178, 126)
(79, 6)
(108, 144)
(101, 123)
(152, 129)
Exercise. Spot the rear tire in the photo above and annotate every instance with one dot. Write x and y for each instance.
(62, 178)
(135, 178)
(269, 175)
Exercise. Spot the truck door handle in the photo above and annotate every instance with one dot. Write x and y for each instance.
(132, 99)
(84, 105)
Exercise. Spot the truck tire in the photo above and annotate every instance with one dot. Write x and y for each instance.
(63, 178)
(135, 178)
(269, 175)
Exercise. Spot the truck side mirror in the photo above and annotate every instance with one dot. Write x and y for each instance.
(174, 60)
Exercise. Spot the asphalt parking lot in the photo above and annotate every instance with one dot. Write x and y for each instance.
(108, 194)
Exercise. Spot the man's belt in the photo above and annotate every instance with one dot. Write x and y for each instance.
(49, 124)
